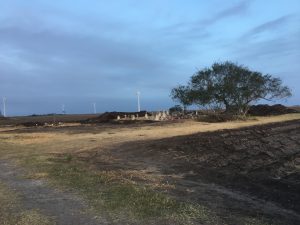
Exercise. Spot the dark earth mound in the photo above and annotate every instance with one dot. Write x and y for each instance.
(268, 110)
(110, 116)
(32, 124)
(263, 161)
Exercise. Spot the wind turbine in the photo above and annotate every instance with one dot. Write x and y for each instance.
(138, 93)
(4, 106)
(94, 106)
(63, 109)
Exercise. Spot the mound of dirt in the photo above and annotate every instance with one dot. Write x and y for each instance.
(268, 110)
(32, 124)
(263, 161)
(110, 116)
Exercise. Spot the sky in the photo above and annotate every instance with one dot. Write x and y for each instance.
(76, 53)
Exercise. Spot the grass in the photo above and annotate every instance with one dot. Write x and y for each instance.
(109, 194)
(11, 212)
(118, 199)
(126, 202)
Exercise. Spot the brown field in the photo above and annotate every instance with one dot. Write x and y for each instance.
(182, 172)
(68, 118)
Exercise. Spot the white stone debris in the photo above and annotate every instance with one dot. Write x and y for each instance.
(157, 117)
(163, 115)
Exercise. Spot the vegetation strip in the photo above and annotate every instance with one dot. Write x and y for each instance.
(62, 207)
(117, 197)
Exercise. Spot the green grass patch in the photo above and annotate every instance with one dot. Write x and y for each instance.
(115, 197)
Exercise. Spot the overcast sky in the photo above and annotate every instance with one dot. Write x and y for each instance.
(78, 52)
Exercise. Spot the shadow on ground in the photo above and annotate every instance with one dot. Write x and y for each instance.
(252, 171)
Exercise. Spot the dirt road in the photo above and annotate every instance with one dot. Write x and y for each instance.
(63, 208)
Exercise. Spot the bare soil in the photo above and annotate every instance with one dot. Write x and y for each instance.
(41, 119)
(248, 168)
(254, 170)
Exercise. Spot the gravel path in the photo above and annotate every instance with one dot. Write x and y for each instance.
(64, 208)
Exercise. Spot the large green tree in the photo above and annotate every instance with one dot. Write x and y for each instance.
(230, 85)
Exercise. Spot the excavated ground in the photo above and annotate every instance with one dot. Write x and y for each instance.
(252, 171)
(255, 169)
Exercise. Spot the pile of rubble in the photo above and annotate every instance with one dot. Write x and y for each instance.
(130, 116)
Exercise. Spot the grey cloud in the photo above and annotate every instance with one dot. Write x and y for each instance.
(199, 28)
(271, 25)
(270, 48)
(47, 44)
(276, 40)
(235, 10)
(59, 49)
(50, 57)
(77, 65)
(278, 56)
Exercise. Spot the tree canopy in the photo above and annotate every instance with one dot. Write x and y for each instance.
(231, 86)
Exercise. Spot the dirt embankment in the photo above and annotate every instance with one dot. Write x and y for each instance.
(263, 161)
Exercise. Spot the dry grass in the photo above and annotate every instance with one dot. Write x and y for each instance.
(114, 194)
(11, 212)
(120, 134)
(118, 192)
